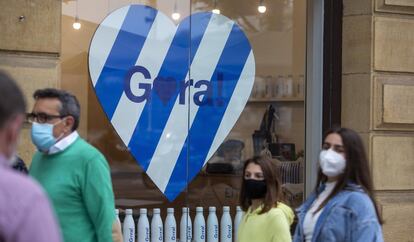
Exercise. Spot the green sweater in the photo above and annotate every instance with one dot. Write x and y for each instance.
(272, 226)
(78, 183)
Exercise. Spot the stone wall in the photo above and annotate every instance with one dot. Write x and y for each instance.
(30, 49)
(378, 101)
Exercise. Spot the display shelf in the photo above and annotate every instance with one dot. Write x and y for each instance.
(269, 100)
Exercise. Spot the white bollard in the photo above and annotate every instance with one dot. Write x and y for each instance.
(128, 230)
(226, 228)
(143, 226)
(212, 225)
(185, 226)
(157, 231)
(237, 220)
(170, 226)
(199, 226)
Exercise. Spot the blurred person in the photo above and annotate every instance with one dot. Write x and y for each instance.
(266, 219)
(74, 173)
(342, 206)
(25, 212)
(19, 165)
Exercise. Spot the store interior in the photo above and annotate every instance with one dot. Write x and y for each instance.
(273, 119)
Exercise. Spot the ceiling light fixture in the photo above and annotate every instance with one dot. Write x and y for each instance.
(77, 25)
(175, 15)
(215, 9)
(262, 7)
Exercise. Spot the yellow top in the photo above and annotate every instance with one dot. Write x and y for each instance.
(273, 226)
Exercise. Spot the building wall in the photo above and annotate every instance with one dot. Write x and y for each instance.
(378, 101)
(30, 49)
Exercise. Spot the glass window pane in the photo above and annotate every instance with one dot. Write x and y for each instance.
(272, 120)
(178, 97)
(130, 122)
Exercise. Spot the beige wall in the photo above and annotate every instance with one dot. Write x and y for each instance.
(30, 49)
(378, 101)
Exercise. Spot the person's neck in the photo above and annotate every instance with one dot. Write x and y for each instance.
(4, 151)
(256, 203)
(66, 134)
(3, 146)
(332, 179)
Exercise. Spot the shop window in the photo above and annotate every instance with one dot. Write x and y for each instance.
(271, 122)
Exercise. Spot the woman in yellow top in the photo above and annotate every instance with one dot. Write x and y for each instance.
(266, 219)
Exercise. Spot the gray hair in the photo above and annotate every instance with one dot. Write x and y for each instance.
(70, 104)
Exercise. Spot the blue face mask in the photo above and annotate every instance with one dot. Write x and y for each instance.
(42, 136)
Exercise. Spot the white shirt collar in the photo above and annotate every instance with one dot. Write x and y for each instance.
(63, 143)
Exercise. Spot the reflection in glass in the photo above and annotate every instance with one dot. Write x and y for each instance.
(277, 39)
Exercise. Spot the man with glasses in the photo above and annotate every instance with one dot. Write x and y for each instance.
(25, 212)
(75, 174)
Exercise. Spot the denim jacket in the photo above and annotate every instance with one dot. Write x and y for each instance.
(348, 216)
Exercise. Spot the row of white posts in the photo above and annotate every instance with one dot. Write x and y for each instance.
(167, 232)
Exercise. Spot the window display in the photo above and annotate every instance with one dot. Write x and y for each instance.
(178, 97)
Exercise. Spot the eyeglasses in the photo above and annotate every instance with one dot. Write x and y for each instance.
(41, 117)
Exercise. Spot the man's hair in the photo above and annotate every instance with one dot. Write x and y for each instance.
(11, 99)
(70, 105)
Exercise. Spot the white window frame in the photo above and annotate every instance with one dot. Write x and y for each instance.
(314, 91)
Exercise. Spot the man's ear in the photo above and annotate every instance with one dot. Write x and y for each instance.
(15, 126)
(69, 123)
(12, 132)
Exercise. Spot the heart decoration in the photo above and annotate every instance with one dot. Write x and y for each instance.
(172, 93)
(165, 88)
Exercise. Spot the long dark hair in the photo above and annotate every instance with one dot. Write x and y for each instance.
(273, 192)
(356, 170)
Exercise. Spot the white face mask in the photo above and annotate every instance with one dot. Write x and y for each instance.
(332, 163)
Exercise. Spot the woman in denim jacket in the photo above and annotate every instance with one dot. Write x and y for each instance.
(342, 207)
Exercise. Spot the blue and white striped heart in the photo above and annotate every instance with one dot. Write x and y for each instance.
(172, 93)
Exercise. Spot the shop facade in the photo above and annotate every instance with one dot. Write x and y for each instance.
(293, 93)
